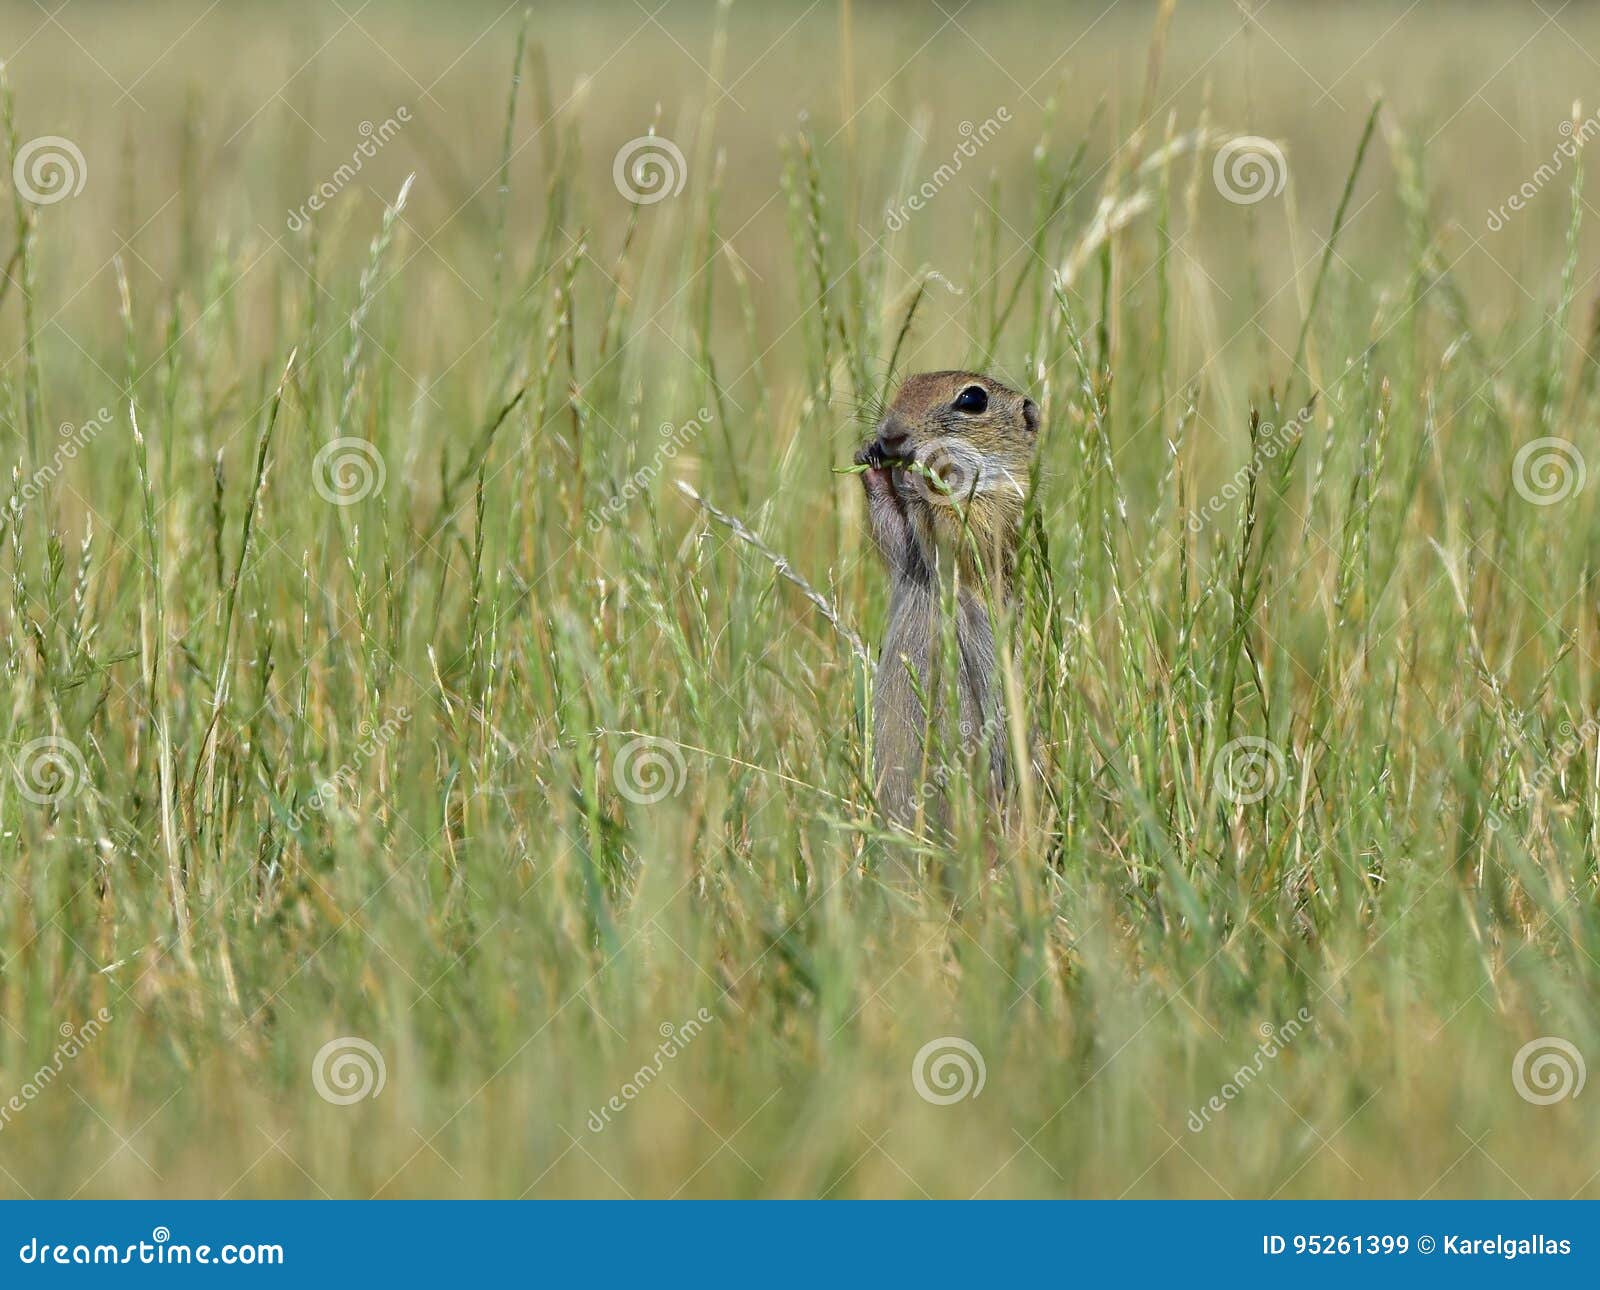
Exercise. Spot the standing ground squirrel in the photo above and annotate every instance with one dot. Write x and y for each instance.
(947, 475)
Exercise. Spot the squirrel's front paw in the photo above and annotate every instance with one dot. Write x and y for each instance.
(886, 514)
(878, 479)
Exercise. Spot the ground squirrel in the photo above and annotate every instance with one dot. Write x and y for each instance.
(947, 475)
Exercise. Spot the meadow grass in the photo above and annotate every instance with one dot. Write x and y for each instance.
(456, 636)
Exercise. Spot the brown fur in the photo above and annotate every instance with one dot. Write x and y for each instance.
(960, 536)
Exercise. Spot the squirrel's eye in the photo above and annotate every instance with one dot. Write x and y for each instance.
(972, 399)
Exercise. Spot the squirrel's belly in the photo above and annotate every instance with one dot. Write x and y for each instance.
(907, 778)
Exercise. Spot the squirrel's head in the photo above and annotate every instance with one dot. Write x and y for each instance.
(953, 453)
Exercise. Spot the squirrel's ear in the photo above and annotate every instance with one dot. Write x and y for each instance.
(1030, 414)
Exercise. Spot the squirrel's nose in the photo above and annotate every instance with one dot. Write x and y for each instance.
(892, 437)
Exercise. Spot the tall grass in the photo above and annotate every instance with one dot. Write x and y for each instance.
(375, 715)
